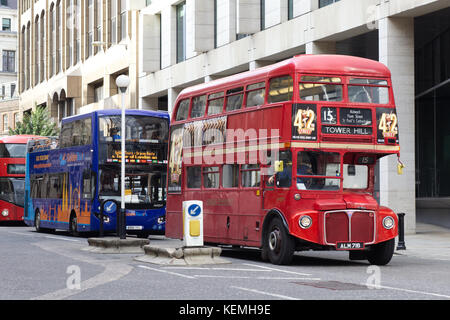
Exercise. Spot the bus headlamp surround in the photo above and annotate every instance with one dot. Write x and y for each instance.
(305, 222)
(5, 212)
(388, 223)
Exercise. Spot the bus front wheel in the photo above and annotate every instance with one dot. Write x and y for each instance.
(37, 221)
(380, 254)
(73, 225)
(280, 246)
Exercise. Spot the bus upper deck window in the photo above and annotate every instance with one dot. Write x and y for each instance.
(183, 110)
(281, 89)
(368, 91)
(234, 98)
(255, 94)
(215, 103)
(198, 107)
(316, 88)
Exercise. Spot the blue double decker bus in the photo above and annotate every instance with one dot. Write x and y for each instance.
(69, 180)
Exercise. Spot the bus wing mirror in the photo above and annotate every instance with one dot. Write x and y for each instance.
(279, 166)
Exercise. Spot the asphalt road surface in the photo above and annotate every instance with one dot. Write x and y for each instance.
(54, 266)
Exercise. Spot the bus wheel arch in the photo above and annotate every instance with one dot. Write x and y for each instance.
(277, 244)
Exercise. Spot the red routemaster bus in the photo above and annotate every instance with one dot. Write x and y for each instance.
(13, 150)
(283, 158)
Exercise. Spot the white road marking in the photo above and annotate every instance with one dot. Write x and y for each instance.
(257, 278)
(407, 290)
(219, 269)
(278, 270)
(112, 272)
(62, 238)
(266, 293)
(165, 271)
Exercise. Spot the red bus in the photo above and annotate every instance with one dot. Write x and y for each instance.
(13, 150)
(283, 158)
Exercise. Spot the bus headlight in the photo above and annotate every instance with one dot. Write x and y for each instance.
(388, 223)
(5, 212)
(161, 220)
(305, 222)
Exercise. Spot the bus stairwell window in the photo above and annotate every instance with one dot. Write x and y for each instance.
(281, 89)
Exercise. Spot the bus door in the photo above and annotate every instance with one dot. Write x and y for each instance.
(277, 182)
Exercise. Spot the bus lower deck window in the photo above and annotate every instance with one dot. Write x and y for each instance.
(193, 177)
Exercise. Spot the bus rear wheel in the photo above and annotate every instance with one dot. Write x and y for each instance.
(280, 245)
(380, 254)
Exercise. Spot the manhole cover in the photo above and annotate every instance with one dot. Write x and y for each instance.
(333, 285)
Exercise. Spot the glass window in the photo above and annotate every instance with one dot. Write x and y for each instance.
(55, 186)
(255, 94)
(198, 107)
(323, 166)
(368, 91)
(12, 190)
(141, 186)
(320, 88)
(211, 176)
(66, 135)
(109, 182)
(183, 110)
(230, 176)
(88, 184)
(215, 103)
(81, 132)
(323, 3)
(283, 178)
(139, 128)
(234, 99)
(355, 176)
(6, 24)
(13, 150)
(123, 20)
(9, 61)
(250, 176)
(16, 169)
(193, 177)
(281, 89)
(181, 32)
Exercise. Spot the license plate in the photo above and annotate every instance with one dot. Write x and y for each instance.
(350, 246)
(134, 227)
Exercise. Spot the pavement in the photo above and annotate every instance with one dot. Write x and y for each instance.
(429, 241)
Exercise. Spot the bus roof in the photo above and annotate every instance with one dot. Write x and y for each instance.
(114, 112)
(310, 64)
(22, 138)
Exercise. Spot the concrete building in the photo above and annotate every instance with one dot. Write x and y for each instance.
(71, 52)
(9, 99)
(193, 41)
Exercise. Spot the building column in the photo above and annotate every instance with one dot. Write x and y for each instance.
(396, 51)
(321, 47)
(172, 94)
(255, 64)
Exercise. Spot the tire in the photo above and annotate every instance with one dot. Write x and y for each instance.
(279, 244)
(380, 254)
(143, 235)
(37, 221)
(73, 226)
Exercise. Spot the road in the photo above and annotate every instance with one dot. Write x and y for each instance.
(40, 266)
